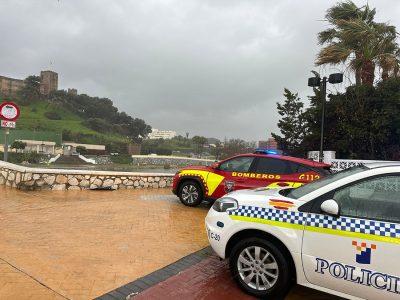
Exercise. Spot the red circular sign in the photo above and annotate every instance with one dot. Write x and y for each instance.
(9, 111)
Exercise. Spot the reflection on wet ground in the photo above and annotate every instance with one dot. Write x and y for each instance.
(210, 279)
(85, 243)
(82, 244)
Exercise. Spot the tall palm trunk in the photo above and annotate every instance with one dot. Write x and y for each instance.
(358, 77)
(367, 73)
(385, 73)
(358, 69)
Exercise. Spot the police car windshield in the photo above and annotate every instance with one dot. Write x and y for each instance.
(310, 187)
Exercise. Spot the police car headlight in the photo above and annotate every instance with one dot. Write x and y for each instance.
(225, 204)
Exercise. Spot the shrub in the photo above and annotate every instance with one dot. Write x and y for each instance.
(121, 159)
(81, 150)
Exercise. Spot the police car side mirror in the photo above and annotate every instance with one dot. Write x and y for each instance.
(330, 207)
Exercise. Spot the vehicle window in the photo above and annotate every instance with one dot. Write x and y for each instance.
(303, 169)
(272, 166)
(297, 168)
(323, 171)
(377, 199)
(312, 186)
(238, 164)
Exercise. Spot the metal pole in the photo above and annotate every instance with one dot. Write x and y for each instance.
(7, 132)
(323, 98)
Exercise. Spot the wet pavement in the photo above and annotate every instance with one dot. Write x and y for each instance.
(210, 279)
(83, 244)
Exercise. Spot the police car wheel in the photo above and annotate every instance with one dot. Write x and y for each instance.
(190, 193)
(260, 268)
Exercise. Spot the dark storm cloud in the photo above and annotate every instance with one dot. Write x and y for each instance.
(214, 68)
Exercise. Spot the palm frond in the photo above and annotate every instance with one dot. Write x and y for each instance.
(327, 36)
(333, 54)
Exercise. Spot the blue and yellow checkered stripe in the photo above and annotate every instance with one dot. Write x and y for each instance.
(344, 226)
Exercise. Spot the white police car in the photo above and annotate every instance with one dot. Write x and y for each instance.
(340, 235)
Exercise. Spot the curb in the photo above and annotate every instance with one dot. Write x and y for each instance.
(128, 291)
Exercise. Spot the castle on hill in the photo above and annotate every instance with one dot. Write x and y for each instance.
(9, 87)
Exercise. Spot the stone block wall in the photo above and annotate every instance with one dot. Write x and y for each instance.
(170, 160)
(62, 179)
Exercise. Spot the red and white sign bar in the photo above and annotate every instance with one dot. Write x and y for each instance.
(7, 124)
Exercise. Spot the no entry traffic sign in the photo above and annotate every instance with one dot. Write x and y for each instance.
(9, 111)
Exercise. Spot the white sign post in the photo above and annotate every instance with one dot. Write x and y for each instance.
(9, 112)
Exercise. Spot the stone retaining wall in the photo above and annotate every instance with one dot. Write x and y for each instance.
(170, 160)
(62, 179)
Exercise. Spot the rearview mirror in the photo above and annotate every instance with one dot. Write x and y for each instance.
(330, 207)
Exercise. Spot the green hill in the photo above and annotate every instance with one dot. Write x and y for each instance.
(80, 118)
(52, 117)
(33, 117)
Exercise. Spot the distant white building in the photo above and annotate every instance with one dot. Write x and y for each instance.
(45, 147)
(161, 134)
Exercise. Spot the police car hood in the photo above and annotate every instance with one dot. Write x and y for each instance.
(265, 197)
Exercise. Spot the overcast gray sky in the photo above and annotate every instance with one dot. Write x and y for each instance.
(208, 67)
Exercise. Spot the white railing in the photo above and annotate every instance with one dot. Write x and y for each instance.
(53, 159)
(341, 164)
(88, 160)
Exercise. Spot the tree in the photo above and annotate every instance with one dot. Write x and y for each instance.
(292, 125)
(363, 122)
(356, 40)
(236, 146)
(81, 150)
(101, 115)
(367, 129)
(18, 145)
(157, 146)
(217, 150)
(199, 141)
(30, 91)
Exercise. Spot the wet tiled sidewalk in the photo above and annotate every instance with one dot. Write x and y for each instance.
(109, 244)
(200, 276)
(80, 245)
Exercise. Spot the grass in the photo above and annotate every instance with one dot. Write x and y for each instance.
(33, 117)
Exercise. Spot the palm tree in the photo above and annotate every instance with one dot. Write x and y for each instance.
(376, 47)
(390, 62)
(356, 39)
(396, 67)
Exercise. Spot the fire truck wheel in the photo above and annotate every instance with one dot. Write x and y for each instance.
(190, 193)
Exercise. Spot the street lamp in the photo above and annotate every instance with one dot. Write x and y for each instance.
(317, 81)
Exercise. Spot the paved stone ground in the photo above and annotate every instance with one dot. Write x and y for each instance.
(200, 276)
(15, 284)
(79, 245)
(84, 244)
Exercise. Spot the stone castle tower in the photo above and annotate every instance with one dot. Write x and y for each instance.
(48, 82)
